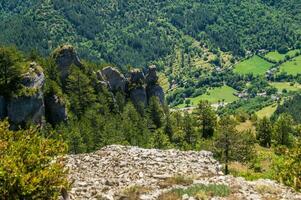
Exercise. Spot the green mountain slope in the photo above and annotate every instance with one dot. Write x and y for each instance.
(141, 32)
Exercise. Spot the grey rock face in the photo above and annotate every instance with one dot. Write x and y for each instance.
(136, 77)
(138, 96)
(64, 57)
(115, 79)
(25, 109)
(56, 112)
(2, 108)
(155, 91)
(152, 77)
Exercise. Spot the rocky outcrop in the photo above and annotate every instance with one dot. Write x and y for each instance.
(56, 111)
(109, 172)
(114, 78)
(152, 77)
(64, 57)
(136, 77)
(153, 89)
(2, 107)
(138, 96)
(28, 107)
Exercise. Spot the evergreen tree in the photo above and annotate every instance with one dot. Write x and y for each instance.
(80, 91)
(283, 129)
(206, 119)
(10, 69)
(155, 113)
(264, 132)
(231, 145)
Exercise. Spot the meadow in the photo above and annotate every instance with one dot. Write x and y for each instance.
(292, 67)
(275, 56)
(286, 85)
(254, 65)
(266, 111)
(214, 95)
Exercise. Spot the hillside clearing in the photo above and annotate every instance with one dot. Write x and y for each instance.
(292, 67)
(254, 65)
(266, 111)
(214, 95)
(275, 56)
(286, 85)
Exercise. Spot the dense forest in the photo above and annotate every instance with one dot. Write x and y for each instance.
(138, 33)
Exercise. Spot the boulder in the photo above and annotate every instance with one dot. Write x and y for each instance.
(64, 57)
(2, 107)
(156, 91)
(26, 109)
(136, 77)
(114, 78)
(152, 77)
(56, 111)
(138, 96)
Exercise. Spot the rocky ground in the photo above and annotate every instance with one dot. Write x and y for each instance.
(118, 172)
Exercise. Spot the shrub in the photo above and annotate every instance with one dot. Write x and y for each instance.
(28, 168)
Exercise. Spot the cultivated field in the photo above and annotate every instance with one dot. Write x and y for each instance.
(254, 65)
(292, 67)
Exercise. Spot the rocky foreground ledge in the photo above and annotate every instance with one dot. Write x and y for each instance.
(109, 172)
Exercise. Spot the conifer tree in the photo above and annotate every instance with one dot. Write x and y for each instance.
(10, 70)
(80, 91)
(206, 119)
(264, 132)
(283, 129)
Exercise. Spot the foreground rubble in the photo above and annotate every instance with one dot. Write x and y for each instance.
(107, 173)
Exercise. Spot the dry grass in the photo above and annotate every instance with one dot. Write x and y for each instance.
(176, 180)
(134, 192)
(247, 125)
(169, 196)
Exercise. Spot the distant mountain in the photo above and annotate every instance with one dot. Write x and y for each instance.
(142, 32)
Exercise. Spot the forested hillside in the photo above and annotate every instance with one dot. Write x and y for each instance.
(137, 33)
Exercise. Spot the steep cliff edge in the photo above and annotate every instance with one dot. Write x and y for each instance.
(111, 172)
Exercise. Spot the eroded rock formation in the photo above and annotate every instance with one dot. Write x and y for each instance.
(64, 57)
(28, 107)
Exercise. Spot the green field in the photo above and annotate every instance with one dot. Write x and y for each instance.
(292, 67)
(254, 65)
(286, 85)
(214, 95)
(275, 56)
(266, 111)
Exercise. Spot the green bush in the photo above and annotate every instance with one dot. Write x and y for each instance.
(28, 168)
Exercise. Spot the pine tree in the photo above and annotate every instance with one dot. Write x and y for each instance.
(283, 129)
(10, 70)
(80, 91)
(206, 119)
(231, 145)
(264, 132)
(155, 113)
